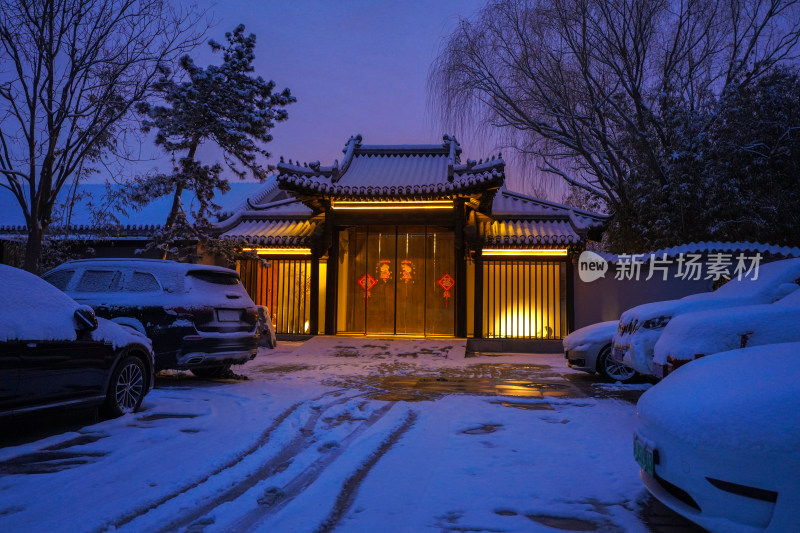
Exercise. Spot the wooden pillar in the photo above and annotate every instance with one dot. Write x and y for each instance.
(478, 295)
(461, 270)
(331, 242)
(313, 322)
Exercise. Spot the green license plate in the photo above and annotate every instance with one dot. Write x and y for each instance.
(643, 455)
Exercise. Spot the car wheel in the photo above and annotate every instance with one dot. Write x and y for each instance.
(610, 369)
(126, 389)
(210, 372)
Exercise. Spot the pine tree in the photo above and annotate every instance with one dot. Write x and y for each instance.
(225, 105)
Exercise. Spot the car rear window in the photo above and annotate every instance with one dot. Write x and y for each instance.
(99, 281)
(212, 276)
(142, 282)
(60, 279)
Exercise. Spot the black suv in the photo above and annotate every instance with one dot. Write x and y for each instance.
(199, 317)
(54, 352)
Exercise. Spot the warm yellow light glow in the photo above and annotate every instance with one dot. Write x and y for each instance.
(280, 251)
(376, 206)
(559, 252)
(515, 325)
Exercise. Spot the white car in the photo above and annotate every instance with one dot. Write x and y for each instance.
(718, 441)
(694, 335)
(640, 327)
(589, 349)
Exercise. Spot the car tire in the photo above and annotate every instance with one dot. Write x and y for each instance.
(271, 342)
(610, 369)
(211, 372)
(127, 388)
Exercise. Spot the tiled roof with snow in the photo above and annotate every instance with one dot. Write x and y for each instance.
(527, 232)
(274, 232)
(93, 197)
(282, 223)
(514, 205)
(394, 171)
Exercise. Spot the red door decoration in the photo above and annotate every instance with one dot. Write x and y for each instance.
(406, 270)
(384, 270)
(446, 282)
(367, 282)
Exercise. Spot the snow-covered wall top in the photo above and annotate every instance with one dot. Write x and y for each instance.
(706, 247)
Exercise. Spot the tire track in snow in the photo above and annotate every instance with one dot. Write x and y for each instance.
(259, 443)
(276, 464)
(350, 487)
(304, 479)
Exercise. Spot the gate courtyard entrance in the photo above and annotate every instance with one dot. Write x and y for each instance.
(396, 280)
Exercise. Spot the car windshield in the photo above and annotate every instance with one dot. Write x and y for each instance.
(213, 276)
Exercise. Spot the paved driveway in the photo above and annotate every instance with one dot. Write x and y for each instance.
(341, 434)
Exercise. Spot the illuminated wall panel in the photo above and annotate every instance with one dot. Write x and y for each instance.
(284, 288)
(524, 299)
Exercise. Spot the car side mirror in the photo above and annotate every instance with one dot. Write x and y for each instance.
(85, 319)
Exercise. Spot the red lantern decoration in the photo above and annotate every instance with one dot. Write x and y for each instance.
(446, 282)
(367, 282)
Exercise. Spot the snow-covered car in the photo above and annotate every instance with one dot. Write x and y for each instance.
(54, 352)
(694, 335)
(266, 329)
(589, 349)
(718, 441)
(640, 327)
(199, 317)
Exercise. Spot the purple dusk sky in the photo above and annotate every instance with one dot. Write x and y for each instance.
(355, 66)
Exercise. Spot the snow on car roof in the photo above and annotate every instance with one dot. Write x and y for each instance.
(719, 330)
(33, 310)
(774, 281)
(602, 331)
(741, 399)
(163, 264)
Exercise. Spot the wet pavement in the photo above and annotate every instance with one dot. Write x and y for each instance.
(526, 382)
(395, 378)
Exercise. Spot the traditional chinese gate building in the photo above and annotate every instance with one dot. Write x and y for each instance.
(410, 240)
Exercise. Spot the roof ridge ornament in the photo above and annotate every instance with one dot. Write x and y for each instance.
(349, 150)
(454, 150)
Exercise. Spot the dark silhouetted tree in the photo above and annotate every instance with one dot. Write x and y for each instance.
(225, 105)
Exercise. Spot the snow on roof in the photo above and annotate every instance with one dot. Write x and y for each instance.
(274, 232)
(524, 232)
(395, 169)
(708, 247)
(514, 205)
(372, 171)
(94, 196)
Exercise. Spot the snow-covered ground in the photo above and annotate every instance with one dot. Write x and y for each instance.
(341, 434)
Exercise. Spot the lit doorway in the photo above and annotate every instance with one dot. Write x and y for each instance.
(396, 280)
